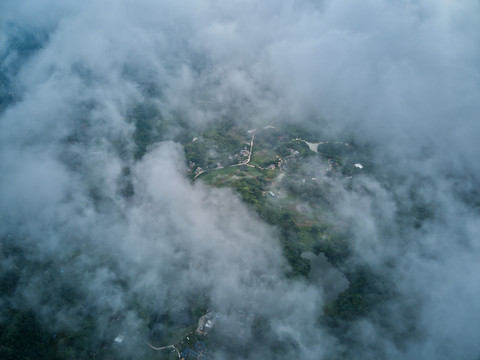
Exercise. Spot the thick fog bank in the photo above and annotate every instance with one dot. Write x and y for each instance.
(402, 77)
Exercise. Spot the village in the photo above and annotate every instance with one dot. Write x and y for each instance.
(270, 154)
(192, 345)
(274, 172)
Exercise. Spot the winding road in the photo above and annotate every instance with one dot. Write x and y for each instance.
(164, 347)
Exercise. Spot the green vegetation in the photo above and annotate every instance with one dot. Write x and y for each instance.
(334, 246)
(298, 230)
(287, 197)
(287, 149)
(196, 152)
(250, 189)
(292, 131)
(150, 127)
(219, 145)
(222, 140)
(334, 151)
(22, 338)
(222, 177)
(366, 291)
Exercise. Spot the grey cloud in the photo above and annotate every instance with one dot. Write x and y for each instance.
(402, 77)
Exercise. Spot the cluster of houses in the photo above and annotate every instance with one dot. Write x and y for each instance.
(189, 354)
(293, 152)
(205, 324)
(241, 154)
(191, 167)
(278, 163)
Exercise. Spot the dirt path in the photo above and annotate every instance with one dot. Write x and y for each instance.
(251, 149)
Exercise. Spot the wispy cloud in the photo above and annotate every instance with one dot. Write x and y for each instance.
(402, 77)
